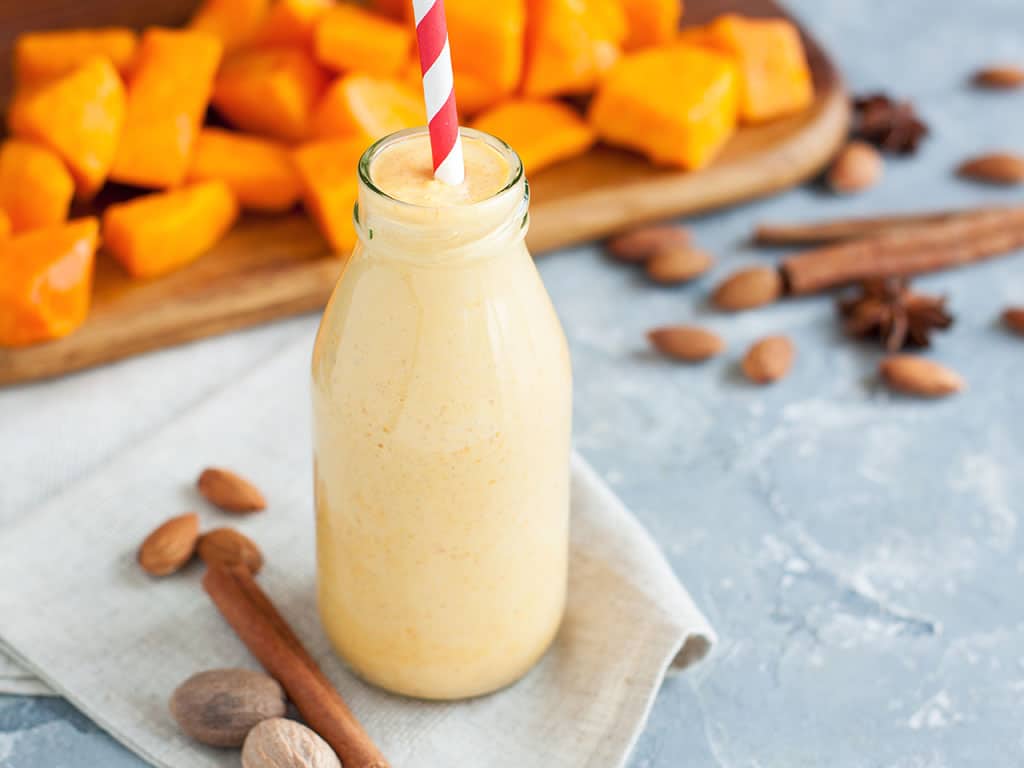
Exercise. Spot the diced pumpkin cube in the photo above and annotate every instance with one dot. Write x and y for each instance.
(233, 22)
(541, 131)
(677, 104)
(5, 225)
(473, 96)
(775, 79)
(160, 232)
(395, 9)
(487, 43)
(259, 171)
(79, 116)
(35, 187)
(47, 282)
(365, 106)
(291, 22)
(651, 22)
(167, 100)
(329, 178)
(270, 91)
(40, 56)
(349, 38)
(571, 44)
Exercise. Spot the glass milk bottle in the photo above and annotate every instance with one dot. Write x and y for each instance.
(442, 408)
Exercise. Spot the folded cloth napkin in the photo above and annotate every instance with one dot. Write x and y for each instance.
(79, 614)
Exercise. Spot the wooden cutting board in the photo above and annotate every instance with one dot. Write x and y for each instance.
(272, 267)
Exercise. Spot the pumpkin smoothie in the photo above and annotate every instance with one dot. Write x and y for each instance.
(442, 407)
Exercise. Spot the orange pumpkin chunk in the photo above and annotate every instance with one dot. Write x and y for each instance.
(259, 171)
(47, 282)
(775, 79)
(35, 187)
(270, 91)
(365, 106)
(676, 104)
(571, 44)
(542, 132)
(651, 22)
(233, 22)
(396, 9)
(348, 38)
(487, 42)
(291, 22)
(40, 56)
(328, 172)
(5, 224)
(167, 101)
(158, 233)
(79, 116)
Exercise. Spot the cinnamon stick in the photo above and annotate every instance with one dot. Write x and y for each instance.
(925, 248)
(268, 637)
(835, 230)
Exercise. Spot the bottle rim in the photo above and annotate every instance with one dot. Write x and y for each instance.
(514, 161)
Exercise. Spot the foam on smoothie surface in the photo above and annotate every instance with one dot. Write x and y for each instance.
(404, 171)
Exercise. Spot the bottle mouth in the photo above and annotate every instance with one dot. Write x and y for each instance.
(515, 164)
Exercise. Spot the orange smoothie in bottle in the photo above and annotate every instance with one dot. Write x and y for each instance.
(442, 412)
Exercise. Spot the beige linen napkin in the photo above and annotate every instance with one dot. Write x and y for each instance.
(80, 615)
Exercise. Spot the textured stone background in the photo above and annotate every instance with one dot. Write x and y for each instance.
(857, 552)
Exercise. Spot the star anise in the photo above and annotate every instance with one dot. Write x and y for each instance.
(893, 126)
(886, 308)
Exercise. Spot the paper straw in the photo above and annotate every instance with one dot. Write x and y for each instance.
(439, 90)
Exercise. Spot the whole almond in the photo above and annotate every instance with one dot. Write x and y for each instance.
(280, 743)
(170, 546)
(769, 359)
(919, 376)
(857, 167)
(678, 264)
(686, 342)
(748, 288)
(226, 546)
(1013, 318)
(638, 245)
(220, 706)
(229, 491)
(994, 168)
(1004, 76)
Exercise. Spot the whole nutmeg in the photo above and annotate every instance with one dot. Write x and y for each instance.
(226, 546)
(686, 342)
(220, 706)
(857, 167)
(231, 492)
(280, 743)
(678, 264)
(639, 244)
(748, 288)
(919, 376)
(769, 359)
(170, 547)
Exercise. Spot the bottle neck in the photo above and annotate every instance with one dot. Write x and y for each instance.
(437, 224)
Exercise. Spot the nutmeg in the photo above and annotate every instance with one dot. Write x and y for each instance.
(220, 706)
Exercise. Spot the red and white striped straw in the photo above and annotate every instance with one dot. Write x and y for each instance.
(439, 90)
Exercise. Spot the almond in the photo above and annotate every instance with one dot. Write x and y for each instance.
(170, 546)
(857, 167)
(769, 359)
(919, 376)
(678, 264)
(748, 288)
(226, 546)
(1005, 76)
(1013, 318)
(230, 492)
(994, 168)
(686, 342)
(638, 245)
